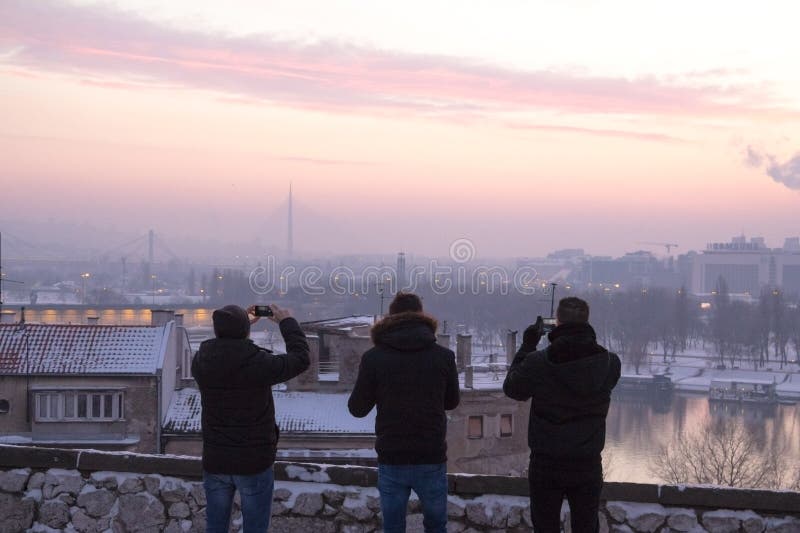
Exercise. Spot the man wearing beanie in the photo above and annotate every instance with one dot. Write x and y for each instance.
(412, 381)
(240, 436)
(569, 384)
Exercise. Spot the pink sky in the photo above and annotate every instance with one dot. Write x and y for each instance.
(194, 120)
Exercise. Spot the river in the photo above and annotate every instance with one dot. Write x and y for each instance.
(637, 427)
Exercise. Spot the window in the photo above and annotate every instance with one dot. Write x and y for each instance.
(79, 405)
(5, 406)
(506, 425)
(475, 427)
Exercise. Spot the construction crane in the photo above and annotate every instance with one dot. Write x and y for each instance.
(668, 245)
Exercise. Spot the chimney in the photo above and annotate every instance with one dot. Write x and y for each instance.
(349, 349)
(469, 375)
(159, 317)
(92, 320)
(8, 317)
(179, 320)
(443, 339)
(511, 345)
(463, 351)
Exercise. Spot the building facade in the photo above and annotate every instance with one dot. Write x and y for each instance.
(747, 266)
(95, 385)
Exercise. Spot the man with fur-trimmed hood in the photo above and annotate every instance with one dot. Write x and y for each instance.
(412, 381)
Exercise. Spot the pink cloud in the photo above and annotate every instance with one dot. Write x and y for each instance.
(98, 41)
(637, 135)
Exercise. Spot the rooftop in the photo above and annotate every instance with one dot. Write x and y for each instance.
(295, 412)
(81, 349)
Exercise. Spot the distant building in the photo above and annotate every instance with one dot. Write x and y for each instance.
(639, 269)
(89, 386)
(747, 266)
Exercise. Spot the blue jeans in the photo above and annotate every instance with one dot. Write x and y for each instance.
(255, 492)
(428, 481)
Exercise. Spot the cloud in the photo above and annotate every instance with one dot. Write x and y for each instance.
(786, 173)
(753, 157)
(101, 42)
(625, 134)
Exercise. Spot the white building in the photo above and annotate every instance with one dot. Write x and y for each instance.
(747, 266)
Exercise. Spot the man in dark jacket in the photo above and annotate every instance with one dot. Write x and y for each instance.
(569, 384)
(412, 381)
(240, 436)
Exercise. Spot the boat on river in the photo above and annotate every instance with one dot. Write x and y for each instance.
(743, 391)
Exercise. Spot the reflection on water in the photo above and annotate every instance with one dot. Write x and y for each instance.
(637, 426)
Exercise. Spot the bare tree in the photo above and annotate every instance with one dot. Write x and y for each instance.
(723, 452)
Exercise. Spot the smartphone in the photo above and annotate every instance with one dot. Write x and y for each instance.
(263, 310)
(548, 324)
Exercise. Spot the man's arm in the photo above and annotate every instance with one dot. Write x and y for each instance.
(363, 397)
(277, 368)
(519, 379)
(451, 394)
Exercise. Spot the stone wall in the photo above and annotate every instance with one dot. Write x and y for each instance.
(88, 491)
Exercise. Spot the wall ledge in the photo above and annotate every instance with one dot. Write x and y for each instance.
(466, 485)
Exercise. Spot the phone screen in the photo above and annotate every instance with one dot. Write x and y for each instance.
(263, 310)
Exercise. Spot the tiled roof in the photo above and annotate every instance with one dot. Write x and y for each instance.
(295, 412)
(80, 349)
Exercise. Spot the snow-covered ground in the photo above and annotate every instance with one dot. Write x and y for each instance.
(693, 372)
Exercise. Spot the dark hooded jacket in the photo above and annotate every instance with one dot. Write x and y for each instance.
(412, 381)
(569, 384)
(234, 376)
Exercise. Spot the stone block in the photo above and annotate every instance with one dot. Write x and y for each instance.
(682, 519)
(308, 504)
(97, 503)
(140, 512)
(36, 481)
(54, 513)
(179, 510)
(57, 481)
(173, 490)
(131, 485)
(16, 513)
(14, 480)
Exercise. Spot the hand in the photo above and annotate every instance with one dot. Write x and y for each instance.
(251, 313)
(533, 334)
(279, 313)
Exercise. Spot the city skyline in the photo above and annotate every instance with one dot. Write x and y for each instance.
(526, 128)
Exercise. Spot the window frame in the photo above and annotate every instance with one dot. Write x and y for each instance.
(53, 405)
(510, 432)
(470, 418)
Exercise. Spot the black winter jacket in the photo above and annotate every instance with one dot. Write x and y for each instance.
(412, 381)
(570, 385)
(234, 376)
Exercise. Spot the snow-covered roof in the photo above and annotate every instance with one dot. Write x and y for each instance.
(81, 349)
(295, 412)
(341, 324)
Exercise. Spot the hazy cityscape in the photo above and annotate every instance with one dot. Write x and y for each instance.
(160, 161)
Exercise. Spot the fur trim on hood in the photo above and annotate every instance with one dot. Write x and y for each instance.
(386, 329)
